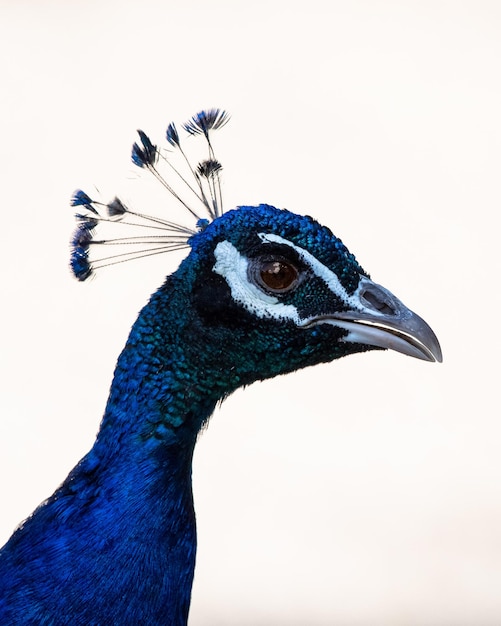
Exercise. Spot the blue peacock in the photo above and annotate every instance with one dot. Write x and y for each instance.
(261, 292)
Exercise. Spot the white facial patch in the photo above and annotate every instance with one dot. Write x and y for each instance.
(234, 268)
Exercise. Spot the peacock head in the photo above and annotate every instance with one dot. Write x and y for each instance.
(265, 283)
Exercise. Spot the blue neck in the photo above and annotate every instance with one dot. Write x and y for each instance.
(158, 402)
(126, 510)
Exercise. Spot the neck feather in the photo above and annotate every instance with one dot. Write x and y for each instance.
(122, 525)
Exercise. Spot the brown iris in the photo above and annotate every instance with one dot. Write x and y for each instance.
(278, 276)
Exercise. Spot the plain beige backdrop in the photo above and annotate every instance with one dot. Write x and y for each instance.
(361, 493)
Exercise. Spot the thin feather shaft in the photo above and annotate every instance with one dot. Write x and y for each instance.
(163, 182)
(178, 173)
(133, 255)
(141, 240)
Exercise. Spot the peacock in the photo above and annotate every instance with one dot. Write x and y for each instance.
(262, 292)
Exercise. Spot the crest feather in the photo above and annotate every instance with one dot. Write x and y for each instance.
(187, 183)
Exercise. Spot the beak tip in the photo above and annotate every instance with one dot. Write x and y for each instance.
(434, 349)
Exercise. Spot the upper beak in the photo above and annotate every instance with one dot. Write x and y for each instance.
(380, 319)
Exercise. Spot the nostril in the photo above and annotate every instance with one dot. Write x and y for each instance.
(379, 301)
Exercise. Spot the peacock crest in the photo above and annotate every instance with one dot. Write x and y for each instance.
(196, 188)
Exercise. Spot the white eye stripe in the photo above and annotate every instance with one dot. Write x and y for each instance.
(320, 270)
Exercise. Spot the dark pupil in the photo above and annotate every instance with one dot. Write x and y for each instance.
(278, 275)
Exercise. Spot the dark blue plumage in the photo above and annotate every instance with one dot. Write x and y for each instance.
(145, 153)
(262, 292)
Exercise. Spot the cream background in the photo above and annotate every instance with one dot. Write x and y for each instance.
(363, 492)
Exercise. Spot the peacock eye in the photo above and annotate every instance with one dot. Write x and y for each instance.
(276, 275)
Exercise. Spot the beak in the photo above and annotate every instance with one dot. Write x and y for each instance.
(377, 318)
